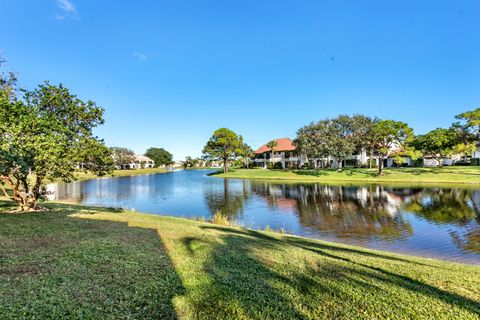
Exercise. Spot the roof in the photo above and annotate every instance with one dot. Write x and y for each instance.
(283, 144)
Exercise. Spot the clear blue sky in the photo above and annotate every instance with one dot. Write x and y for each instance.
(169, 73)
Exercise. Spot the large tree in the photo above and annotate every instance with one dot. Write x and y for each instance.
(363, 138)
(309, 139)
(437, 143)
(329, 137)
(246, 152)
(44, 136)
(122, 156)
(470, 122)
(160, 156)
(388, 135)
(272, 145)
(224, 145)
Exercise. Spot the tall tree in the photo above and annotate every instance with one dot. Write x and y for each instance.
(160, 156)
(310, 139)
(122, 156)
(464, 149)
(272, 145)
(389, 134)
(246, 152)
(44, 136)
(470, 123)
(223, 145)
(341, 138)
(437, 143)
(363, 135)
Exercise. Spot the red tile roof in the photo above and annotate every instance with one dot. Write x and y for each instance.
(283, 144)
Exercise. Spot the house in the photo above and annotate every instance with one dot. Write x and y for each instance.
(285, 153)
(139, 162)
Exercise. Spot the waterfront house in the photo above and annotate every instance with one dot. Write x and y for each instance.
(285, 153)
(288, 156)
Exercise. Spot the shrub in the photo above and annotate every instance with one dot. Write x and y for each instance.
(220, 219)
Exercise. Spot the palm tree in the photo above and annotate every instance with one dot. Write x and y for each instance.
(272, 145)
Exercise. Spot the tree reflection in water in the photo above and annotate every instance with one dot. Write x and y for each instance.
(229, 201)
(358, 212)
(376, 211)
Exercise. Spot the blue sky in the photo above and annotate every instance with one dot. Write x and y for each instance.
(169, 73)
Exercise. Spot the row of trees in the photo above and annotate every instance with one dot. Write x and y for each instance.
(345, 135)
(125, 156)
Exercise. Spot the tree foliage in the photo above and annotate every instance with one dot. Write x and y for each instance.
(339, 137)
(160, 156)
(470, 123)
(122, 156)
(437, 143)
(224, 145)
(387, 135)
(44, 136)
(246, 152)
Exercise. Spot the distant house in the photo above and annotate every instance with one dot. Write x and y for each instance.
(139, 162)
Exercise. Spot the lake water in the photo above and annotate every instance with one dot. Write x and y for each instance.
(431, 222)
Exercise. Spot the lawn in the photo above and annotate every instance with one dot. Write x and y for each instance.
(120, 173)
(85, 262)
(452, 175)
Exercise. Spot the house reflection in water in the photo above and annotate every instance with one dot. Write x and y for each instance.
(359, 212)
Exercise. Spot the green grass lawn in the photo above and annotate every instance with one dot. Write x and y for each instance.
(452, 175)
(84, 262)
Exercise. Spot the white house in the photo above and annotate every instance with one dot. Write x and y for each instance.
(139, 162)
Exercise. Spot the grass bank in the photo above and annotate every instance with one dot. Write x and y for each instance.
(84, 262)
(452, 175)
(119, 173)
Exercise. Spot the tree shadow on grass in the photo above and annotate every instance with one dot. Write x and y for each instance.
(237, 273)
(82, 268)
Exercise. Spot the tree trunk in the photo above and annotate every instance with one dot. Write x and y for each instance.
(370, 160)
(225, 165)
(27, 200)
(380, 165)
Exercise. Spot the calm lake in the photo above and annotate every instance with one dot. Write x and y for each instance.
(431, 222)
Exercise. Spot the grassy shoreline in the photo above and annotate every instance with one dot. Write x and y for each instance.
(79, 261)
(445, 175)
(119, 173)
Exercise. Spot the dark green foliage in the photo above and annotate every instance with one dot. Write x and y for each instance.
(224, 145)
(44, 136)
(160, 156)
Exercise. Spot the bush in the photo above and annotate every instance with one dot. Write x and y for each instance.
(418, 162)
(220, 219)
(475, 162)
